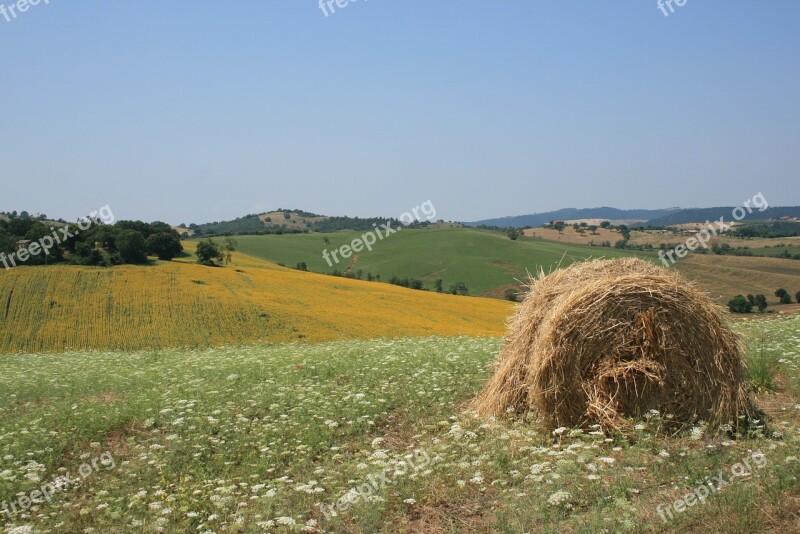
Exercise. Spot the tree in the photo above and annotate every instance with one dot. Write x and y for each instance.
(511, 294)
(786, 299)
(513, 234)
(559, 225)
(797, 297)
(229, 245)
(739, 304)
(165, 245)
(208, 251)
(751, 299)
(593, 229)
(459, 288)
(54, 253)
(605, 224)
(780, 293)
(302, 266)
(131, 246)
(437, 285)
(761, 302)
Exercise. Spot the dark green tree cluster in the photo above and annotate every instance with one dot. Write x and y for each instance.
(22, 228)
(92, 242)
(739, 304)
(126, 242)
(209, 253)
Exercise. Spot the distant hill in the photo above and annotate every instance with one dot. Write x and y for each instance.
(567, 214)
(289, 222)
(699, 215)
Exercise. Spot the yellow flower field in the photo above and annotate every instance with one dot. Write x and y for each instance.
(182, 304)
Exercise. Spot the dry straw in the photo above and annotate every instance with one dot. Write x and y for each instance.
(606, 341)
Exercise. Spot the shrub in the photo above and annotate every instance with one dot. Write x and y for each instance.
(739, 304)
(207, 252)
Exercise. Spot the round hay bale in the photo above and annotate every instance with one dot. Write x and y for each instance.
(606, 341)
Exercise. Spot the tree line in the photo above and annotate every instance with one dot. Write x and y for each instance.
(125, 242)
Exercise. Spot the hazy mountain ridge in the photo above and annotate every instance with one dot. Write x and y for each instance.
(699, 215)
(566, 214)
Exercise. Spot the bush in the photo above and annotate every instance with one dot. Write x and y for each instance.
(739, 304)
(511, 294)
(132, 246)
(165, 245)
(459, 288)
(207, 252)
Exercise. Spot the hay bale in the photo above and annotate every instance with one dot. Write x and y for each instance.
(606, 341)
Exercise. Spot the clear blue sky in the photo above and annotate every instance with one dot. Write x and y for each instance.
(198, 111)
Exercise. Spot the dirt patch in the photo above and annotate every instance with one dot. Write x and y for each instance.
(470, 515)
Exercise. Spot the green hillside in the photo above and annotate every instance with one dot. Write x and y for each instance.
(486, 261)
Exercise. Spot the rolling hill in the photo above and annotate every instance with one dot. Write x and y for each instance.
(568, 214)
(488, 262)
(700, 215)
(182, 304)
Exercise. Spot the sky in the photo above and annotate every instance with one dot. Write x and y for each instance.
(199, 111)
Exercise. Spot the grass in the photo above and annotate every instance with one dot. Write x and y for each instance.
(486, 261)
(256, 438)
(776, 251)
(724, 277)
(489, 262)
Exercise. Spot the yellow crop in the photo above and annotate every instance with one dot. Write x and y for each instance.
(56, 308)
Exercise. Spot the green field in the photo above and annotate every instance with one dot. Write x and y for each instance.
(486, 261)
(775, 251)
(256, 439)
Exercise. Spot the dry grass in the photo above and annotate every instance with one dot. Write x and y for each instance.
(607, 340)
